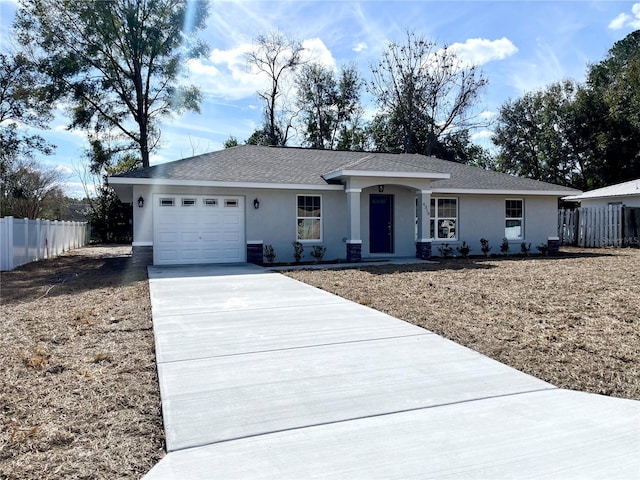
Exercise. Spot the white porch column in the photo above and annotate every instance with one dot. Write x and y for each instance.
(354, 238)
(423, 242)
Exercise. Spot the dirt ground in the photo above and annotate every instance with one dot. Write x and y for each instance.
(79, 394)
(572, 320)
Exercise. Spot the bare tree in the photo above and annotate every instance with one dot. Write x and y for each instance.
(425, 91)
(276, 56)
(28, 188)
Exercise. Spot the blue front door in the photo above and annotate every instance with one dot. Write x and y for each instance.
(381, 224)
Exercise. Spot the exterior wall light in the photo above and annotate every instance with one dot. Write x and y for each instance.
(380, 188)
(256, 204)
(141, 201)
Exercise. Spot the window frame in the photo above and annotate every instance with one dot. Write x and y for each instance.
(520, 218)
(318, 218)
(435, 218)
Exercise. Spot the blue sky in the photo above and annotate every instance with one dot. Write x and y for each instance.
(521, 46)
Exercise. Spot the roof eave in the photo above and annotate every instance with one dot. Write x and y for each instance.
(341, 174)
(500, 191)
(219, 184)
(577, 198)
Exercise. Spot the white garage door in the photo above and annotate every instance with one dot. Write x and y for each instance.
(198, 229)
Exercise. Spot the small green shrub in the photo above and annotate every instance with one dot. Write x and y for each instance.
(525, 248)
(543, 248)
(485, 246)
(464, 250)
(318, 252)
(445, 250)
(504, 247)
(269, 253)
(298, 250)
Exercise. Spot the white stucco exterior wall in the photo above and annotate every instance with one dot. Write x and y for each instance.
(274, 223)
(483, 216)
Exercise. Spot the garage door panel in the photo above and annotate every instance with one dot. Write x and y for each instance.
(189, 218)
(231, 219)
(189, 237)
(190, 254)
(231, 254)
(211, 219)
(195, 229)
(168, 219)
(211, 237)
(168, 237)
(166, 255)
(231, 236)
(211, 254)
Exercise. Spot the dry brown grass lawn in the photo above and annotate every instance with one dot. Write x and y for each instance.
(572, 320)
(79, 395)
(78, 387)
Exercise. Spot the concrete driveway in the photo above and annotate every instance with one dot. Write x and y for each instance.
(262, 376)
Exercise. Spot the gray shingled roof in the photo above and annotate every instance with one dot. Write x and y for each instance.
(289, 165)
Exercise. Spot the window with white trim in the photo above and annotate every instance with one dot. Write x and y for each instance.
(444, 218)
(188, 202)
(167, 202)
(309, 218)
(514, 219)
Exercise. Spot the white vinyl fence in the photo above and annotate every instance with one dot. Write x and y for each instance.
(592, 226)
(23, 240)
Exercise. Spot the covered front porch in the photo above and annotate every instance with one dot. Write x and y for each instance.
(388, 213)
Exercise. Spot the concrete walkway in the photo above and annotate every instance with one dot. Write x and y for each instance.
(262, 376)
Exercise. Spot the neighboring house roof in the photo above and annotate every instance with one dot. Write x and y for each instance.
(273, 167)
(625, 189)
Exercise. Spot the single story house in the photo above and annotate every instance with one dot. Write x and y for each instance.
(627, 194)
(225, 206)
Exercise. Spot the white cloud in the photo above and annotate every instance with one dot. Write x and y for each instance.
(64, 170)
(478, 51)
(487, 115)
(623, 20)
(316, 51)
(360, 46)
(619, 22)
(225, 74)
(74, 132)
(481, 135)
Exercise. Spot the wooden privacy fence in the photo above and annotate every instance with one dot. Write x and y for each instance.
(23, 240)
(610, 226)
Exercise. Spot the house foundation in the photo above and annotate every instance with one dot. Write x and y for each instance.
(423, 250)
(354, 252)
